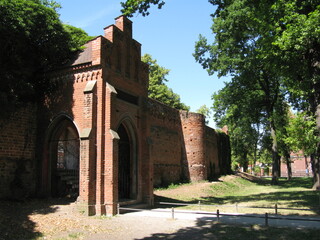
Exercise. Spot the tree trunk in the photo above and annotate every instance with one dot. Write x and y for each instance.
(306, 163)
(288, 162)
(316, 160)
(275, 156)
(245, 162)
(316, 171)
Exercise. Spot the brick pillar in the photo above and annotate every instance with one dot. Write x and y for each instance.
(111, 155)
(101, 143)
(193, 129)
(87, 188)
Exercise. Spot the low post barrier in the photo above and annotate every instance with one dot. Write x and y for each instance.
(172, 213)
(266, 220)
(218, 214)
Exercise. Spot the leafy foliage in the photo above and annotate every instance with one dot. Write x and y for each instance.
(241, 111)
(301, 133)
(250, 44)
(205, 111)
(141, 6)
(158, 90)
(298, 42)
(33, 41)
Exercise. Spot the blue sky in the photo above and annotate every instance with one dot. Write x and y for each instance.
(168, 35)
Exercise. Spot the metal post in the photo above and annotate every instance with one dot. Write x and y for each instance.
(218, 217)
(172, 213)
(266, 220)
(236, 207)
(118, 209)
(199, 203)
(276, 209)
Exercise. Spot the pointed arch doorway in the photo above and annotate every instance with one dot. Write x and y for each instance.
(63, 159)
(127, 164)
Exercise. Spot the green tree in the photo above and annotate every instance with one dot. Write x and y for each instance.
(301, 130)
(33, 41)
(298, 40)
(242, 48)
(157, 89)
(234, 106)
(205, 111)
(301, 137)
(129, 7)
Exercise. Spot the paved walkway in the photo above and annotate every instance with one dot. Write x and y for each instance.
(247, 219)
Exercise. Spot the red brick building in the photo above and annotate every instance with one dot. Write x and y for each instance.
(99, 137)
(300, 166)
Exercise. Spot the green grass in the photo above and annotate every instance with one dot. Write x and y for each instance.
(227, 231)
(171, 186)
(296, 193)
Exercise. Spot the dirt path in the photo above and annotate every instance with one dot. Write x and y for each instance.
(62, 221)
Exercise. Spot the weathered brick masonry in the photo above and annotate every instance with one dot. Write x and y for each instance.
(17, 153)
(100, 139)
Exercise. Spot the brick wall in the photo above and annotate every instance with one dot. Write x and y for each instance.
(106, 86)
(182, 148)
(167, 151)
(299, 166)
(212, 155)
(17, 153)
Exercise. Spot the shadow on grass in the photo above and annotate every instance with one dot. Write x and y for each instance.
(306, 183)
(15, 222)
(293, 199)
(296, 182)
(207, 230)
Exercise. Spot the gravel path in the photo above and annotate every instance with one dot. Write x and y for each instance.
(63, 221)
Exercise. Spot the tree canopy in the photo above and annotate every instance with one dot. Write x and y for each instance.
(274, 44)
(33, 41)
(129, 7)
(157, 89)
(205, 111)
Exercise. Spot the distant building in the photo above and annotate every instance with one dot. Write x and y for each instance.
(300, 166)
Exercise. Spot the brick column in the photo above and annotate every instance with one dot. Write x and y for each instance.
(193, 129)
(111, 155)
(87, 187)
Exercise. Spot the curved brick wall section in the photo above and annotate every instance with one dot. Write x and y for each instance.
(193, 129)
(182, 148)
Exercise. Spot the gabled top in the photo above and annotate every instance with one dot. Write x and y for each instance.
(123, 24)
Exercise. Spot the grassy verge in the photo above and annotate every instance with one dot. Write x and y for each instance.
(235, 191)
(226, 231)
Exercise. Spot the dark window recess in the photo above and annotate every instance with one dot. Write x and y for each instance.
(127, 97)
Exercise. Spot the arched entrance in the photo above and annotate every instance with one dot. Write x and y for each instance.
(64, 147)
(127, 168)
